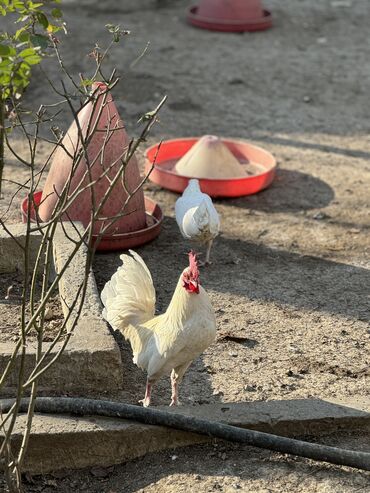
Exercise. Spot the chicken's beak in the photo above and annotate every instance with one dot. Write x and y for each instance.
(195, 286)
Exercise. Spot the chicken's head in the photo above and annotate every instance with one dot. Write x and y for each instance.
(190, 276)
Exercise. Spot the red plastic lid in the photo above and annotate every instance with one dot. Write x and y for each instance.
(227, 25)
(117, 241)
(259, 163)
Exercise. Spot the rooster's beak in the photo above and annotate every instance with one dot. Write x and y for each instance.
(195, 284)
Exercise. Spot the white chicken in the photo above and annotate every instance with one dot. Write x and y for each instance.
(166, 343)
(197, 217)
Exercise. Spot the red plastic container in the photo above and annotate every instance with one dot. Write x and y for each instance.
(119, 241)
(230, 15)
(259, 160)
(105, 149)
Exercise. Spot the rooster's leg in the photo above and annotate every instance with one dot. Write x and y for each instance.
(174, 386)
(176, 377)
(148, 391)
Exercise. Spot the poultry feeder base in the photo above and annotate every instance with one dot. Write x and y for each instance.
(259, 164)
(225, 25)
(117, 241)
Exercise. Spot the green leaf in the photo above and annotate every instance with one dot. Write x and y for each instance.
(24, 37)
(5, 65)
(42, 19)
(87, 82)
(40, 41)
(5, 50)
(52, 28)
(56, 13)
(6, 94)
(23, 18)
(30, 57)
(33, 60)
(27, 52)
(19, 32)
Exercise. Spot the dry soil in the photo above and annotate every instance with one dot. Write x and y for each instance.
(291, 275)
(10, 309)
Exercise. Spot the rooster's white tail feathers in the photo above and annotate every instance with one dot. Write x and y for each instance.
(129, 297)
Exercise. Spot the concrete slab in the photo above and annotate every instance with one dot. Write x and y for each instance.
(287, 417)
(59, 442)
(91, 363)
(11, 255)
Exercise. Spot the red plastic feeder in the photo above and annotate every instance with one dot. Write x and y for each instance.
(107, 142)
(259, 165)
(230, 15)
(118, 241)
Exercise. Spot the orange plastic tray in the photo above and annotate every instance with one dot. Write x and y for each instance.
(165, 175)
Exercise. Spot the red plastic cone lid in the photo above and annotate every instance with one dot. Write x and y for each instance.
(108, 144)
(230, 15)
(210, 158)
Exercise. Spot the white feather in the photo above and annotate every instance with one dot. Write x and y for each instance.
(196, 215)
(159, 343)
(129, 297)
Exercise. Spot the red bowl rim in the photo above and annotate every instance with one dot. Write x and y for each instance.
(160, 169)
(150, 204)
(264, 22)
(157, 215)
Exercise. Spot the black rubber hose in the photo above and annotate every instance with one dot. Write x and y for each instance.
(90, 407)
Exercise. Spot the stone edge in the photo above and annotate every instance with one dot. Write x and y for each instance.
(91, 362)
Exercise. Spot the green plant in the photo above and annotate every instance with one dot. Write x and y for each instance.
(34, 27)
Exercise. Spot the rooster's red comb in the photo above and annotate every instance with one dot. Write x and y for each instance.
(193, 265)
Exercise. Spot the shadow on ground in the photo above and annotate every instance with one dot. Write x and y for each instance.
(257, 272)
(291, 191)
(356, 153)
(254, 271)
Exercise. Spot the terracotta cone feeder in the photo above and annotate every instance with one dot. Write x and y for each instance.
(107, 146)
(224, 167)
(230, 15)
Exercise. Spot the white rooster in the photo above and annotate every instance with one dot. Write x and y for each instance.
(197, 217)
(166, 343)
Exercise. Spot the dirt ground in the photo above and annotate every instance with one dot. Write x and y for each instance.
(291, 266)
(10, 306)
(210, 468)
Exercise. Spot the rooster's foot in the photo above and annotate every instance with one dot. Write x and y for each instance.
(145, 402)
(175, 402)
(148, 391)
